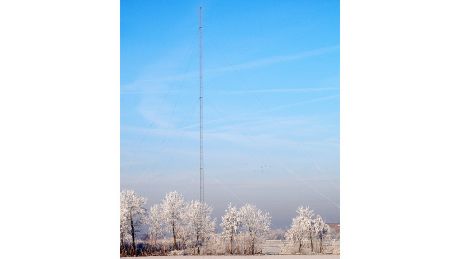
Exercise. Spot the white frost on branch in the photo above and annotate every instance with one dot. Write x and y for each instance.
(199, 226)
(321, 230)
(155, 223)
(231, 225)
(132, 216)
(302, 228)
(173, 206)
(255, 224)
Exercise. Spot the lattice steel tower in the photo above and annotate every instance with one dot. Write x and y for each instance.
(201, 111)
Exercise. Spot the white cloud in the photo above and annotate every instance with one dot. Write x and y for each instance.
(281, 90)
(238, 67)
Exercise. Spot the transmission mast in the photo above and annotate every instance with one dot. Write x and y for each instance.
(201, 112)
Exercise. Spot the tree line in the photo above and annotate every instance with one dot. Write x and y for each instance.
(178, 227)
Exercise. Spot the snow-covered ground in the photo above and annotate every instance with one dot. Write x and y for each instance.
(249, 257)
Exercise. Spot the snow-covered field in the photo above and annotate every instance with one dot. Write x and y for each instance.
(250, 257)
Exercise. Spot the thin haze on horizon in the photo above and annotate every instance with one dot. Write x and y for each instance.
(271, 103)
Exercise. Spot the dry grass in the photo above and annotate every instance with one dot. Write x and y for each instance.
(252, 257)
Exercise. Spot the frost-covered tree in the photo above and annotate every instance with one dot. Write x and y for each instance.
(173, 209)
(124, 231)
(215, 245)
(132, 215)
(321, 230)
(296, 234)
(199, 225)
(231, 224)
(155, 223)
(254, 223)
(302, 228)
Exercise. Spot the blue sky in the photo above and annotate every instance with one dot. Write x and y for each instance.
(271, 107)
